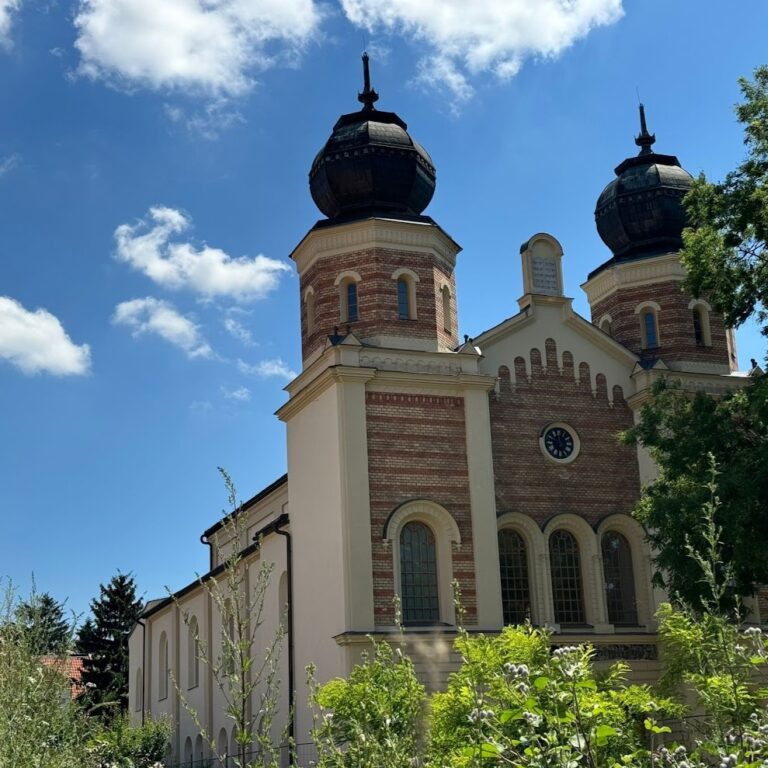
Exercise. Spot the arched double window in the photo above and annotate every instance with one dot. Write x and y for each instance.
(513, 565)
(165, 672)
(193, 653)
(418, 574)
(619, 579)
(565, 566)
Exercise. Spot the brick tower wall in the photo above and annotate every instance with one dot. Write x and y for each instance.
(417, 450)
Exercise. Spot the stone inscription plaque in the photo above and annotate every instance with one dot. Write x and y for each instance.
(544, 276)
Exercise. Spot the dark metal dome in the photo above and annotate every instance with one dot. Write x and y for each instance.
(370, 164)
(641, 212)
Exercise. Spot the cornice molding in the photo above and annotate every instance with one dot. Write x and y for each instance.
(375, 233)
(659, 269)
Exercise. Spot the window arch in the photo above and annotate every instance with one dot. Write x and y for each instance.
(188, 757)
(138, 696)
(445, 535)
(347, 283)
(405, 281)
(702, 331)
(165, 672)
(618, 573)
(445, 293)
(193, 653)
(418, 574)
(606, 324)
(222, 747)
(565, 565)
(199, 750)
(649, 324)
(513, 567)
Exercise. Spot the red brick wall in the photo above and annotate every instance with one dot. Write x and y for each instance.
(377, 297)
(675, 320)
(603, 479)
(417, 450)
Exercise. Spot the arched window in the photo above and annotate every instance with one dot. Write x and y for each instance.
(222, 746)
(650, 332)
(606, 325)
(165, 672)
(701, 328)
(193, 653)
(405, 283)
(351, 302)
(309, 304)
(348, 298)
(199, 751)
(138, 696)
(188, 758)
(513, 564)
(418, 574)
(565, 564)
(619, 580)
(447, 319)
(403, 300)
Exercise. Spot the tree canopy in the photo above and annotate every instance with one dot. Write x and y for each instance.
(104, 639)
(45, 626)
(726, 246)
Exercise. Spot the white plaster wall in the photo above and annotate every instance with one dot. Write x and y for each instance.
(315, 498)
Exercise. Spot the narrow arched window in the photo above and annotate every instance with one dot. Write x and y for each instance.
(565, 564)
(403, 299)
(650, 331)
(199, 749)
(606, 326)
(513, 564)
(165, 672)
(309, 303)
(229, 640)
(222, 746)
(447, 320)
(619, 580)
(351, 301)
(138, 696)
(418, 574)
(193, 653)
(188, 751)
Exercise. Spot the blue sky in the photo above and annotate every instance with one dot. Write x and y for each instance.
(153, 180)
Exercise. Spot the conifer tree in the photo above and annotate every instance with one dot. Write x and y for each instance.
(42, 618)
(104, 639)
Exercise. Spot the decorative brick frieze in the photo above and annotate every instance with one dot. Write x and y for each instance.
(417, 450)
(602, 480)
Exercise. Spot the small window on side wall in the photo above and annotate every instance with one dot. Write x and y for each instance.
(403, 299)
(309, 303)
(346, 283)
(650, 330)
(701, 328)
(447, 319)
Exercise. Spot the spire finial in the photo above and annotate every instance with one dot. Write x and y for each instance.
(645, 140)
(368, 97)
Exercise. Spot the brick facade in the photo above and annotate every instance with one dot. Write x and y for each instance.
(377, 298)
(675, 323)
(602, 480)
(417, 450)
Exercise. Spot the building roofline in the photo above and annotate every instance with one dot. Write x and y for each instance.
(246, 505)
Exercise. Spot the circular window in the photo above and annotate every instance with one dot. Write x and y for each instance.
(559, 442)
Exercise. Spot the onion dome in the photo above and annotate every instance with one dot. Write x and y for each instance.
(641, 212)
(370, 164)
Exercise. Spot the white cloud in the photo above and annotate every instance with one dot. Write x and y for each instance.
(7, 164)
(36, 342)
(267, 368)
(158, 317)
(7, 9)
(239, 331)
(210, 271)
(241, 393)
(210, 46)
(467, 38)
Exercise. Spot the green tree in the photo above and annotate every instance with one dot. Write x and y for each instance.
(726, 247)
(43, 620)
(104, 640)
(684, 433)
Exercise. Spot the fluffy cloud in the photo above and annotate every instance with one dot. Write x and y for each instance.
(471, 37)
(242, 394)
(236, 329)
(8, 163)
(212, 46)
(7, 8)
(267, 369)
(158, 317)
(36, 342)
(147, 247)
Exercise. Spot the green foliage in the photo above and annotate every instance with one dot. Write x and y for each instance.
(124, 746)
(40, 727)
(104, 639)
(682, 432)
(45, 624)
(371, 719)
(516, 702)
(726, 247)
